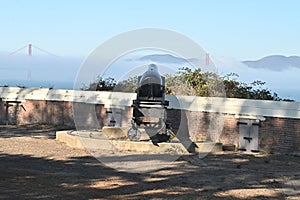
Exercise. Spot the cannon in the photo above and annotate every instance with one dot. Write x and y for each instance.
(150, 108)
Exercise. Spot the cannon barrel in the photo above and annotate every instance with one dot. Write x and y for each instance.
(151, 76)
(151, 85)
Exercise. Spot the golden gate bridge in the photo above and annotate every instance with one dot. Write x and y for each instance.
(29, 48)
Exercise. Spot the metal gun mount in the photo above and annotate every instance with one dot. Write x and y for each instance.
(150, 108)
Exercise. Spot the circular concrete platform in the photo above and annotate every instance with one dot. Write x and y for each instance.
(97, 140)
(134, 156)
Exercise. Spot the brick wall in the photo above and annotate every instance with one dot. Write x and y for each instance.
(275, 134)
(1, 112)
(280, 135)
(44, 112)
(205, 126)
(230, 133)
(49, 112)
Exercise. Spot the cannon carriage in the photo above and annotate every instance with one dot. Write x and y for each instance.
(150, 108)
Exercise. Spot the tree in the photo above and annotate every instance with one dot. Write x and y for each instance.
(129, 85)
(210, 84)
(194, 82)
(101, 84)
(254, 90)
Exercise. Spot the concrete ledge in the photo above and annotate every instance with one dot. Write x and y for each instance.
(82, 141)
(69, 140)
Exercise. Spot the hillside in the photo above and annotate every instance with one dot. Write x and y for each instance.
(275, 62)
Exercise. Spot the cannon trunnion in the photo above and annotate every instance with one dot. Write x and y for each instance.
(150, 108)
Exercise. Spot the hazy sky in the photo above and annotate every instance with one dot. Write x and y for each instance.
(242, 29)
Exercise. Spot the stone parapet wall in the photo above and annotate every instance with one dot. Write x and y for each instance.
(279, 122)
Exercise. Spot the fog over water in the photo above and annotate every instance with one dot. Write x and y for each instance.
(60, 73)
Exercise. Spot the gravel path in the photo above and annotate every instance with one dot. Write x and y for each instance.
(34, 166)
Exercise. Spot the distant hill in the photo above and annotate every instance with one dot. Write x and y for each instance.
(163, 58)
(275, 62)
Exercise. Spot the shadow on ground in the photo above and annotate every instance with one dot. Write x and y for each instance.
(28, 177)
(32, 130)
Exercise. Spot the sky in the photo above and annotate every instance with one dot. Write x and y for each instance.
(229, 30)
(242, 29)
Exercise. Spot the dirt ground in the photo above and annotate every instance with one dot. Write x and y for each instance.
(35, 166)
